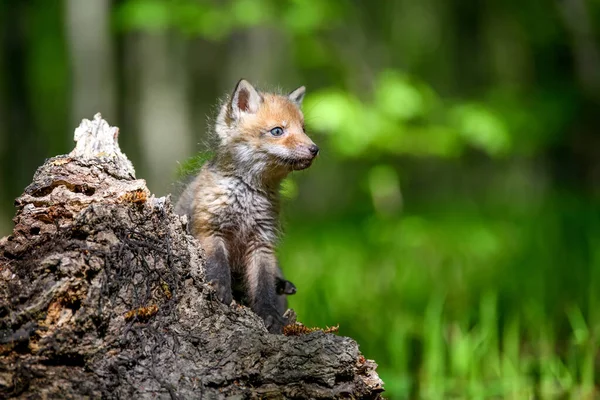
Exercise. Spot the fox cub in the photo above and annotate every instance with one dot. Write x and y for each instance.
(233, 203)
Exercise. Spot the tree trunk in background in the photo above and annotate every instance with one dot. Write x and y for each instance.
(257, 55)
(576, 18)
(163, 116)
(127, 78)
(205, 87)
(92, 58)
(20, 146)
(582, 151)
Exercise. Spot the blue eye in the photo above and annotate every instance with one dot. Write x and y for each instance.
(277, 131)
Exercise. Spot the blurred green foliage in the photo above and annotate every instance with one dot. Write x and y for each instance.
(214, 20)
(452, 222)
(193, 164)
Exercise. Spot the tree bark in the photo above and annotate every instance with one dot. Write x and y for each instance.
(102, 295)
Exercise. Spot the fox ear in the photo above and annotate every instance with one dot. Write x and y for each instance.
(297, 95)
(245, 99)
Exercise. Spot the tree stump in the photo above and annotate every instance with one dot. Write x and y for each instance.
(102, 295)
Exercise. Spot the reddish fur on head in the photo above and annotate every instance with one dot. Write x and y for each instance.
(275, 111)
(246, 126)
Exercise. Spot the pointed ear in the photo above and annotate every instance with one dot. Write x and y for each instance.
(245, 99)
(297, 95)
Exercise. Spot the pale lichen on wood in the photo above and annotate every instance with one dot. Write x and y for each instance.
(96, 139)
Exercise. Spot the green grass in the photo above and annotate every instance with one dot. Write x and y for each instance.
(458, 304)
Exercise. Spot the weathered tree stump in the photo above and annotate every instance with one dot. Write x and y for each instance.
(102, 295)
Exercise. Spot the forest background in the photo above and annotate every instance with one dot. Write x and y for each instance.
(451, 224)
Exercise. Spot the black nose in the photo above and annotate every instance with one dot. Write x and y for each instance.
(313, 149)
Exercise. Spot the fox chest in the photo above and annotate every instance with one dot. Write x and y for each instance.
(242, 217)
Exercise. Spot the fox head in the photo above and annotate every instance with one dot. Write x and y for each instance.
(264, 132)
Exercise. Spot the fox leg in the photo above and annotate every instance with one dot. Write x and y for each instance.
(218, 273)
(261, 271)
(283, 288)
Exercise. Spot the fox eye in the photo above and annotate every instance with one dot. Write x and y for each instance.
(277, 131)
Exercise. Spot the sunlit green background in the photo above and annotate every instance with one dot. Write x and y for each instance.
(451, 224)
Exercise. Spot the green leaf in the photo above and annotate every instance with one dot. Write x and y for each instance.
(398, 98)
(151, 15)
(481, 128)
(251, 12)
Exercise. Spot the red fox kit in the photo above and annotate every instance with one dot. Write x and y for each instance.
(233, 203)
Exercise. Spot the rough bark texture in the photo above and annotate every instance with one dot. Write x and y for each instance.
(102, 294)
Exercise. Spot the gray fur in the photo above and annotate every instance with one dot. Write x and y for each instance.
(185, 202)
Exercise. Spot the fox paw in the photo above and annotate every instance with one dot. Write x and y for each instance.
(274, 324)
(284, 287)
(223, 292)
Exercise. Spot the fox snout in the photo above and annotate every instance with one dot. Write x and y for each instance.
(304, 156)
(309, 151)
